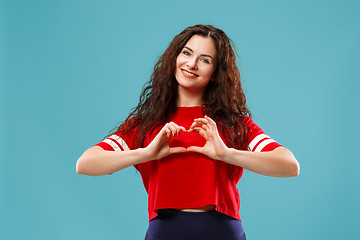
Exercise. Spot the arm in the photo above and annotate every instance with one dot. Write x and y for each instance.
(96, 161)
(277, 163)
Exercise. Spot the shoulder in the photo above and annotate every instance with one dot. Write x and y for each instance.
(258, 140)
(247, 120)
(121, 139)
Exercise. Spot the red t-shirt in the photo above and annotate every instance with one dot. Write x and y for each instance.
(191, 180)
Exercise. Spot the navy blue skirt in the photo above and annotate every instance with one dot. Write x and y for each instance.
(173, 224)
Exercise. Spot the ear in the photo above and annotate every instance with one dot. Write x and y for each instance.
(213, 77)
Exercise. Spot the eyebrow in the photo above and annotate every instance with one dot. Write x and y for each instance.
(205, 55)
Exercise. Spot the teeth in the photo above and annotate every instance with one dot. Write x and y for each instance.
(190, 74)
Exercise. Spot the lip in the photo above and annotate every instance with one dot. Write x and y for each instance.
(188, 76)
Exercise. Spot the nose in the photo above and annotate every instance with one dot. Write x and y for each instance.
(192, 64)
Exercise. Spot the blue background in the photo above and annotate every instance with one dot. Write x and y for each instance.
(71, 70)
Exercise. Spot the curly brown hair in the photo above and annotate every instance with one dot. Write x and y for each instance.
(224, 99)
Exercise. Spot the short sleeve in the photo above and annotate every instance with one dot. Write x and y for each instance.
(116, 142)
(258, 141)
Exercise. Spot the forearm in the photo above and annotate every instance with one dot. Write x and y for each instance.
(97, 162)
(277, 163)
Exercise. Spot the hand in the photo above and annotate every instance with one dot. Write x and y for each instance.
(159, 146)
(214, 147)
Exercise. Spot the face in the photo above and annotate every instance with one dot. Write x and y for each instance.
(196, 64)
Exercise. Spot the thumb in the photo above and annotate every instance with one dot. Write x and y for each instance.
(195, 149)
(177, 150)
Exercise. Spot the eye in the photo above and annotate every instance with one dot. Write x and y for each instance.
(186, 53)
(205, 61)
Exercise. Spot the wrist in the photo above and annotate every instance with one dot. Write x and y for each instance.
(226, 154)
(144, 155)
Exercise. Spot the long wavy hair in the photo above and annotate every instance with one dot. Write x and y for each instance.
(224, 100)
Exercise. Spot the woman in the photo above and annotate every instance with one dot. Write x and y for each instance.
(190, 137)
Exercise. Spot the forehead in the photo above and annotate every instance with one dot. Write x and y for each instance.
(202, 45)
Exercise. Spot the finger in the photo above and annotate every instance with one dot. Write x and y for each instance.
(195, 149)
(177, 150)
(165, 127)
(183, 129)
(198, 123)
(173, 130)
(206, 127)
(204, 124)
(211, 122)
(201, 120)
(167, 132)
(201, 131)
(195, 129)
(178, 128)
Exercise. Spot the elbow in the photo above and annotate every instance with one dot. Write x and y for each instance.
(88, 163)
(295, 170)
(82, 167)
(83, 164)
(79, 169)
(293, 166)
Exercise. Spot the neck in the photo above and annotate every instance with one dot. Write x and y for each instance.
(189, 98)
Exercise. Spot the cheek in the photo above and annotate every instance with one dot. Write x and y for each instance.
(179, 61)
(209, 72)
(177, 65)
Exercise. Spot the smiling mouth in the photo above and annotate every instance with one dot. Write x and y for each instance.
(188, 74)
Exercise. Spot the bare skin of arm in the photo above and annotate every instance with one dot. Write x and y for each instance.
(277, 163)
(96, 162)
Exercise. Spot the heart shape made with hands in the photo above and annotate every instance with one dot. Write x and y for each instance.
(187, 139)
(199, 131)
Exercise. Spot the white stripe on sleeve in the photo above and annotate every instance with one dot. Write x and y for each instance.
(263, 144)
(120, 141)
(112, 144)
(256, 140)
